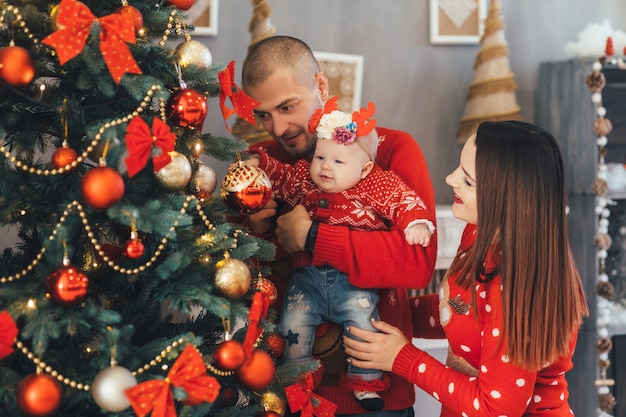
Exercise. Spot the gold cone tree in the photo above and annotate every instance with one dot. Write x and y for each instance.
(491, 95)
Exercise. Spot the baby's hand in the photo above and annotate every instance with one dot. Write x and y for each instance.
(418, 234)
(253, 161)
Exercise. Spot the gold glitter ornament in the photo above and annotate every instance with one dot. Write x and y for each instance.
(176, 175)
(232, 277)
(272, 402)
(192, 52)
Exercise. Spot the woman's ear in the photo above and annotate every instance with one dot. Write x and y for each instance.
(367, 168)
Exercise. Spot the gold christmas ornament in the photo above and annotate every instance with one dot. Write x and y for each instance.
(232, 277)
(246, 189)
(272, 402)
(176, 175)
(193, 52)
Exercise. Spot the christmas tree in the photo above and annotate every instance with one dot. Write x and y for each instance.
(130, 290)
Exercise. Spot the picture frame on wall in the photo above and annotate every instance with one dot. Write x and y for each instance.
(345, 77)
(203, 16)
(457, 21)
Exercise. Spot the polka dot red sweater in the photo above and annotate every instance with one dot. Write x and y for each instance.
(479, 379)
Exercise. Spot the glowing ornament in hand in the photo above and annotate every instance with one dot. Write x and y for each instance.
(39, 395)
(232, 278)
(109, 386)
(16, 66)
(246, 189)
(102, 187)
(187, 108)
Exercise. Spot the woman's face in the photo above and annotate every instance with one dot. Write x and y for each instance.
(463, 183)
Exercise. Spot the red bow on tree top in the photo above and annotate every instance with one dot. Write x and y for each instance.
(188, 372)
(75, 20)
(243, 104)
(8, 333)
(299, 398)
(139, 141)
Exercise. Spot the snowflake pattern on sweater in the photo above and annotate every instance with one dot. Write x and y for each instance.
(478, 378)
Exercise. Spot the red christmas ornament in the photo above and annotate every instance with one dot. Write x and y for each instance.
(267, 288)
(134, 249)
(63, 157)
(16, 66)
(246, 189)
(38, 395)
(67, 286)
(275, 344)
(268, 413)
(187, 108)
(181, 4)
(134, 14)
(257, 372)
(608, 50)
(229, 355)
(102, 187)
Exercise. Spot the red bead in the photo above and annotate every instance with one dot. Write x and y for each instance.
(39, 395)
(16, 66)
(134, 249)
(67, 286)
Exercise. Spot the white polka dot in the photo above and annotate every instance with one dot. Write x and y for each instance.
(505, 359)
(435, 395)
(441, 292)
(555, 382)
(488, 308)
(483, 368)
(416, 302)
(444, 315)
(562, 396)
(502, 415)
(528, 400)
(476, 404)
(466, 348)
(464, 414)
(520, 382)
(421, 368)
(472, 378)
(537, 399)
(495, 332)
(495, 394)
(483, 294)
(451, 387)
(432, 321)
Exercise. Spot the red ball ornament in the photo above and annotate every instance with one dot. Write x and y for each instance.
(268, 413)
(67, 286)
(187, 108)
(134, 14)
(102, 187)
(267, 288)
(63, 157)
(134, 249)
(181, 4)
(257, 372)
(246, 189)
(16, 66)
(275, 344)
(229, 355)
(39, 395)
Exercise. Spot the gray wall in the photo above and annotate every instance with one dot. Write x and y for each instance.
(416, 86)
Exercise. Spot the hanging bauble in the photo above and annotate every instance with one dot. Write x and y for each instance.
(16, 66)
(134, 248)
(39, 395)
(134, 14)
(63, 157)
(192, 52)
(67, 286)
(246, 189)
(267, 288)
(229, 355)
(181, 4)
(102, 187)
(53, 18)
(257, 372)
(270, 401)
(175, 175)
(187, 108)
(232, 278)
(275, 344)
(109, 386)
(203, 182)
(268, 413)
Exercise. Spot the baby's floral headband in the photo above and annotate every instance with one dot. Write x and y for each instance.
(332, 124)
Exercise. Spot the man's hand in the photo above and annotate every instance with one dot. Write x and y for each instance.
(261, 221)
(292, 228)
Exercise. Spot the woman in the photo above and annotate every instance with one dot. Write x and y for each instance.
(512, 301)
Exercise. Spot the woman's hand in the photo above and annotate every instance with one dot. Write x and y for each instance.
(378, 350)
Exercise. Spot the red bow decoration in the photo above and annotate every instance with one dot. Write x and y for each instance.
(75, 20)
(300, 397)
(8, 333)
(188, 372)
(254, 316)
(243, 104)
(139, 141)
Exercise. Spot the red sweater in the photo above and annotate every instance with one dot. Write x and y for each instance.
(375, 259)
(495, 386)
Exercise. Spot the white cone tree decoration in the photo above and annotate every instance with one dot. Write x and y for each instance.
(491, 95)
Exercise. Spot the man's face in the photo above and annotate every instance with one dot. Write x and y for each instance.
(285, 109)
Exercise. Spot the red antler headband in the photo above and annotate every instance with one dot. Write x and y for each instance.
(332, 124)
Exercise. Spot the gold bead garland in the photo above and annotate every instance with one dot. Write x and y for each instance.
(20, 20)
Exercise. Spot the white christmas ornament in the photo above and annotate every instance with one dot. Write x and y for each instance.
(109, 386)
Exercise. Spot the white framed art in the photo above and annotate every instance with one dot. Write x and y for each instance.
(203, 16)
(457, 21)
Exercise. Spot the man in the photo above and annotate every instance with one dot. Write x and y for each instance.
(282, 74)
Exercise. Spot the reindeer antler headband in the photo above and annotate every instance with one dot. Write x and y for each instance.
(332, 124)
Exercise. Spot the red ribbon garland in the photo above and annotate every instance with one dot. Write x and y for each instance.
(254, 316)
(299, 397)
(139, 141)
(243, 104)
(188, 372)
(75, 20)
(8, 333)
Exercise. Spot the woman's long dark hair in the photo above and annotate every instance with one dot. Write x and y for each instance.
(521, 203)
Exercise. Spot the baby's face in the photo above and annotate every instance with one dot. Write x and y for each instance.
(336, 167)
